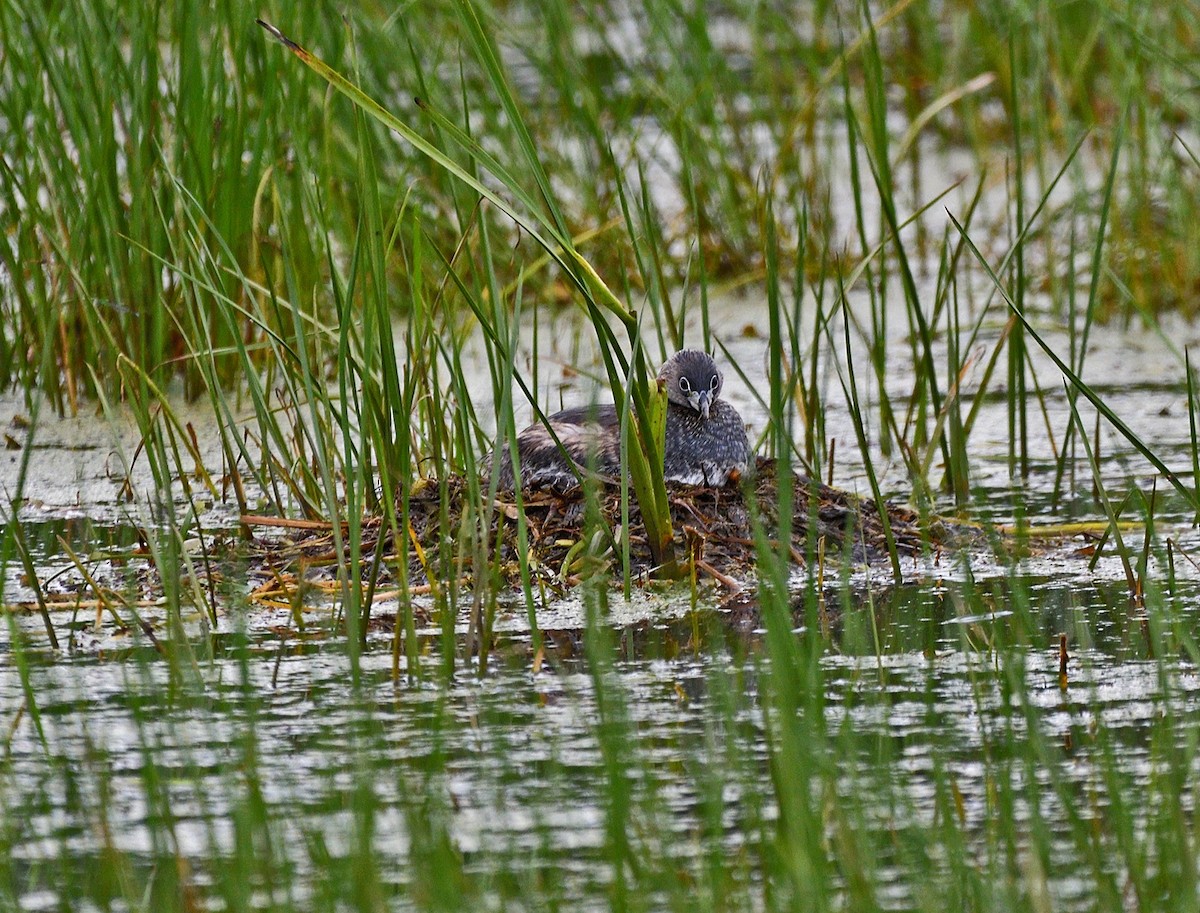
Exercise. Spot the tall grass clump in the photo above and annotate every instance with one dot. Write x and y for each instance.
(545, 223)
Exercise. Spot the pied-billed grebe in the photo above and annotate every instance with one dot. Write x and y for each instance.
(705, 441)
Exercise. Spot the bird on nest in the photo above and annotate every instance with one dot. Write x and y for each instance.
(705, 441)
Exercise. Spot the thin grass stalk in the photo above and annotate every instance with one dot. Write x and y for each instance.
(790, 688)
(1068, 455)
(626, 542)
(648, 245)
(850, 388)
(1018, 432)
(433, 407)
(356, 478)
(1094, 283)
(1195, 441)
(383, 423)
(477, 513)
(430, 445)
(611, 731)
(1110, 512)
(781, 415)
(814, 433)
(477, 506)
(701, 257)
(958, 469)
(877, 340)
(506, 430)
(405, 629)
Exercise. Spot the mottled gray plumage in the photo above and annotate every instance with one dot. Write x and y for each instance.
(705, 439)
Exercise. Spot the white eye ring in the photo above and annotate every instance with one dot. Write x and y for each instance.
(714, 383)
(684, 385)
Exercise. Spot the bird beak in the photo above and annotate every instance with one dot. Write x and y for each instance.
(700, 400)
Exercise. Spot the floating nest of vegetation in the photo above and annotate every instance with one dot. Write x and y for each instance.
(574, 535)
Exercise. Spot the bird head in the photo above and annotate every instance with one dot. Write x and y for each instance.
(692, 379)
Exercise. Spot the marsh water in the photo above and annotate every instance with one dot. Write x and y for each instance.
(507, 772)
(638, 777)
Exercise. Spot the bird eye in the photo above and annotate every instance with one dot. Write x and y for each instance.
(685, 385)
(714, 383)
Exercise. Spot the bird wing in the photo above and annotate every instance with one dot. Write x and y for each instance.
(600, 416)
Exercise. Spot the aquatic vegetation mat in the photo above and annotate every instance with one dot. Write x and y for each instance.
(574, 534)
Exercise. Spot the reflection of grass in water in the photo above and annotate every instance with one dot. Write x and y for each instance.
(186, 235)
(945, 766)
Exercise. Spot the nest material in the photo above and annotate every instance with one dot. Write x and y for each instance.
(577, 533)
